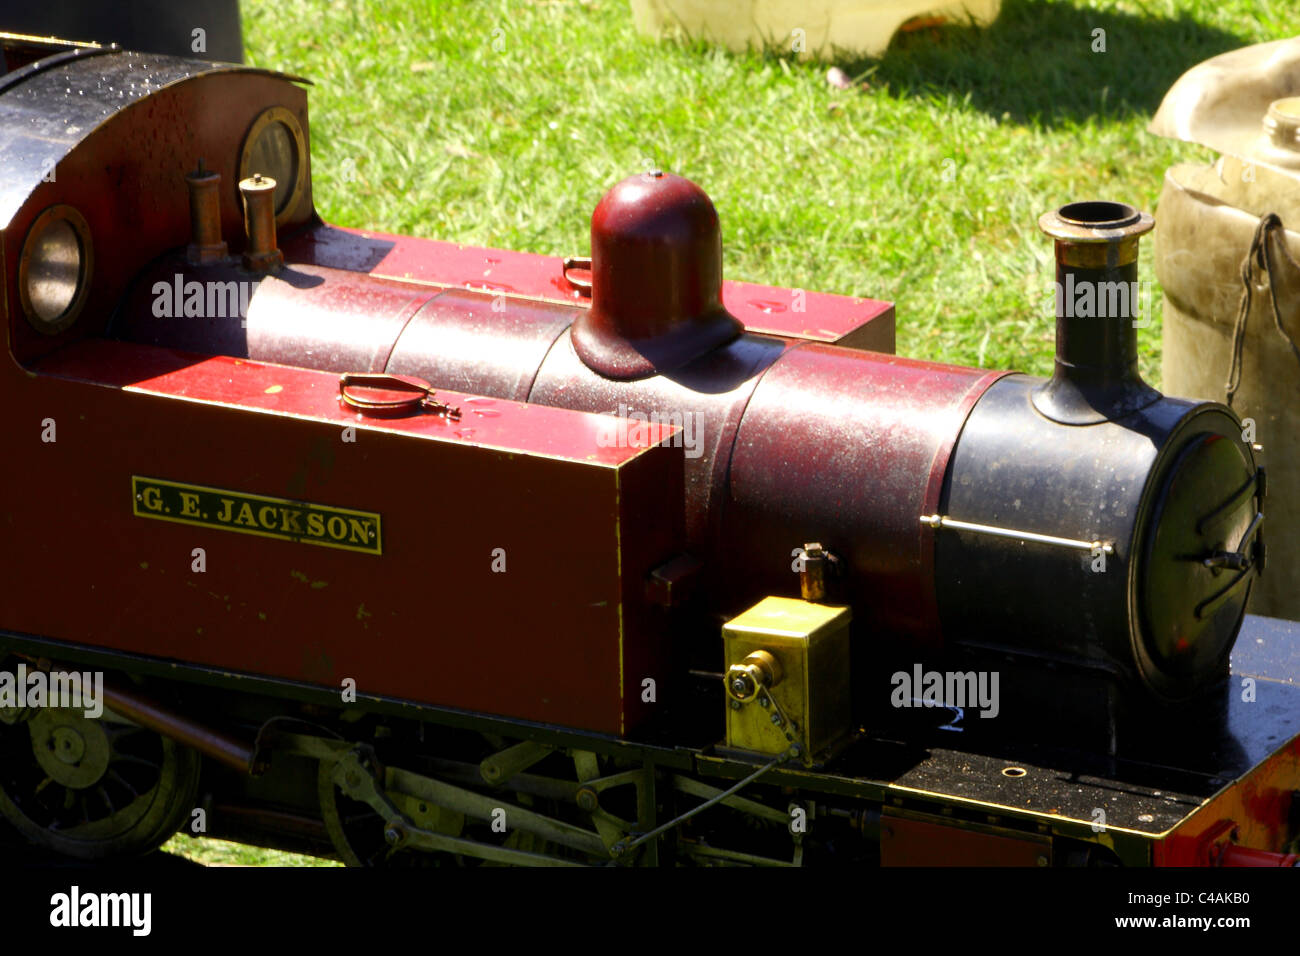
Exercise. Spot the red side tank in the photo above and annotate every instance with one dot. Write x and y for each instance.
(785, 441)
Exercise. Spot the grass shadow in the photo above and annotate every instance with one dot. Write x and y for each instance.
(1036, 63)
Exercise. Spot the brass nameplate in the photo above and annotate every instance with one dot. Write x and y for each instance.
(299, 521)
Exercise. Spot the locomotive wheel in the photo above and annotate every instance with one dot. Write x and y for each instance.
(357, 831)
(93, 788)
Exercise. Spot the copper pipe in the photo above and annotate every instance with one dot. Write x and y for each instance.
(206, 245)
(155, 717)
(261, 254)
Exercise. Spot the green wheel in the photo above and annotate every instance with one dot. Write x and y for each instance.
(93, 788)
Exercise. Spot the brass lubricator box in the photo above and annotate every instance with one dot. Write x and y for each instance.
(787, 677)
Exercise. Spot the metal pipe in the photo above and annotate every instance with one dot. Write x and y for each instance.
(153, 716)
(943, 521)
(211, 743)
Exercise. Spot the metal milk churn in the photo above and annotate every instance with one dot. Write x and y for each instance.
(1226, 247)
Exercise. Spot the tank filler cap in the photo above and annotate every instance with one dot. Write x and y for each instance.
(656, 279)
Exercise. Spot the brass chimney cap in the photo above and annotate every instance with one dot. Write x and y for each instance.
(1096, 234)
(1096, 220)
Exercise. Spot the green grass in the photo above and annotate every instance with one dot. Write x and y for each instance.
(222, 853)
(502, 124)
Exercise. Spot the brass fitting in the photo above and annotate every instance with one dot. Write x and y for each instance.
(261, 254)
(1096, 235)
(812, 577)
(758, 670)
(206, 245)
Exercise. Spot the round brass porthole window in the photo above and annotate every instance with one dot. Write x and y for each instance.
(54, 269)
(277, 148)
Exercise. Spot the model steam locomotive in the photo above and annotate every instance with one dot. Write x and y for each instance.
(395, 550)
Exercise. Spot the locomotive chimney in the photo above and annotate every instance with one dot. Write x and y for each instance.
(1097, 298)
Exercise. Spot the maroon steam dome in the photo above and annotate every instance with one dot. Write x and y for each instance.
(656, 271)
